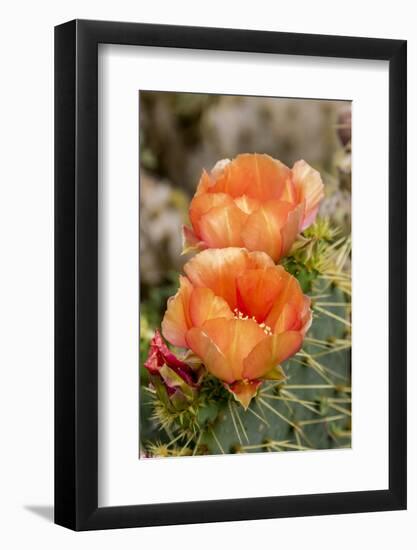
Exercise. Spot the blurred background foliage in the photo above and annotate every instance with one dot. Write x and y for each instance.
(182, 133)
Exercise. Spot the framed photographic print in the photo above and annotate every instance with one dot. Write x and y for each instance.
(230, 235)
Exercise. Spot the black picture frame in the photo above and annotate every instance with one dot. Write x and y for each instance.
(76, 271)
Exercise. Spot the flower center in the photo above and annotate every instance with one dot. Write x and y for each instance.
(239, 315)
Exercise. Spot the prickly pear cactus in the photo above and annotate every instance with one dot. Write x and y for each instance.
(311, 409)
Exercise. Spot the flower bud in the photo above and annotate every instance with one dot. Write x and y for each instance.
(176, 382)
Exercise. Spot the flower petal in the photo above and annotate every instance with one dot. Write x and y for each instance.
(290, 193)
(310, 188)
(202, 203)
(247, 204)
(258, 260)
(233, 338)
(205, 183)
(212, 357)
(289, 319)
(176, 320)
(244, 391)
(291, 228)
(258, 176)
(205, 305)
(217, 269)
(270, 352)
(222, 226)
(291, 294)
(262, 231)
(306, 316)
(190, 242)
(159, 353)
(219, 167)
(295, 318)
(257, 291)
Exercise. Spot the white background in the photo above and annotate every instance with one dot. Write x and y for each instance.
(26, 179)
(123, 479)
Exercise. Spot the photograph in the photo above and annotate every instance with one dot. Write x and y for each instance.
(208, 275)
(245, 274)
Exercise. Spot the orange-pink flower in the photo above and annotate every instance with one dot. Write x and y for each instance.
(240, 314)
(253, 201)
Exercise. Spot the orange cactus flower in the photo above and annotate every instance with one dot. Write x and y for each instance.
(253, 201)
(240, 314)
